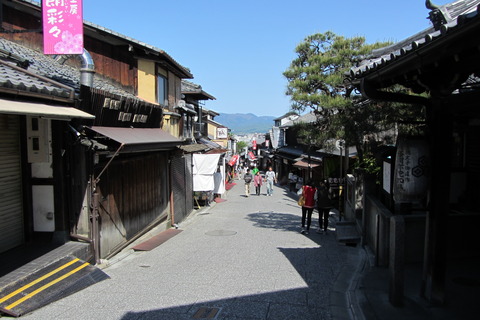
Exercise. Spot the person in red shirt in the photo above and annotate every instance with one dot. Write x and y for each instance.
(308, 192)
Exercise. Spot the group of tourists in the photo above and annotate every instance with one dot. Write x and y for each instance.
(258, 180)
(312, 197)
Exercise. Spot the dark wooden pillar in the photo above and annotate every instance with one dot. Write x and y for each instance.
(440, 126)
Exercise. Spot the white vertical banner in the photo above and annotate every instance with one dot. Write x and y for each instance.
(219, 178)
(204, 167)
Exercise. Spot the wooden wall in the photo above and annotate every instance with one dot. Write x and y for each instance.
(134, 195)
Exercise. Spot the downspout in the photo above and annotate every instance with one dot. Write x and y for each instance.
(87, 69)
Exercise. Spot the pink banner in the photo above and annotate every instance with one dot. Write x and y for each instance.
(62, 26)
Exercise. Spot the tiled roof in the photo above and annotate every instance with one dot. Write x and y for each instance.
(286, 115)
(457, 14)
(196, 147)
(156, 51)
(196, 90)
(18, 79)
(40, 65)
(306, 118)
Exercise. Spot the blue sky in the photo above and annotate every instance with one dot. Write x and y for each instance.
(238, 50)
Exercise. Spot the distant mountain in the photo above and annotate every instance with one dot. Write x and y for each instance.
(241, 123)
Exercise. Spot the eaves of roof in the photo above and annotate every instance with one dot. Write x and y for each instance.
(215, 123)
(93, 29)
(199, 95)
(195, 91)
(196, 147)
(135, 139)
(45, 75)
(396, 56)
(286, 115)
(208, 111)
(16, 80)
(306, 118)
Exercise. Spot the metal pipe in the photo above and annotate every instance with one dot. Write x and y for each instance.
(79, 237)
(87, 69)
(95, 227)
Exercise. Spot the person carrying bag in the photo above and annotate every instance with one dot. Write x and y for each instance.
(308, 195)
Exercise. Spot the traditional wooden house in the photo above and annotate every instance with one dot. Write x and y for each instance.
(111, 174)
(441, 68)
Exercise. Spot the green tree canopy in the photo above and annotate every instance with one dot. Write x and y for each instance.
(316, 82)
(241, 145)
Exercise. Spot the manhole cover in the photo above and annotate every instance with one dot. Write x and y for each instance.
(221, 233)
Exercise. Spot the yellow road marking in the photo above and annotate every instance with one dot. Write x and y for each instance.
(14, 293)
(51, 283)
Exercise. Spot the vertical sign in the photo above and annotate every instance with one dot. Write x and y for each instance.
(387, 175)
(62, 26)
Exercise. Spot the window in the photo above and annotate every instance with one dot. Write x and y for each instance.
(162, 90)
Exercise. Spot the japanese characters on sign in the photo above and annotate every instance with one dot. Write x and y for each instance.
(62, 26)
(335, 182)
(411, 170)
(404, 165)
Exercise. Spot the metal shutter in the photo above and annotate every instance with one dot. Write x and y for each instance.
(11, 209)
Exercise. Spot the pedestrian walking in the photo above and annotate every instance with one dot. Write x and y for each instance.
(324, 204)
(270, 178)
(255, 170)
(247, 177)
(308, 193)
(257, 181)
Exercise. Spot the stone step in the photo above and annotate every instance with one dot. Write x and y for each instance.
(347, 232)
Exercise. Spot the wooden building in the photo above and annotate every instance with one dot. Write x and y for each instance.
(441, 68)
(112, 173)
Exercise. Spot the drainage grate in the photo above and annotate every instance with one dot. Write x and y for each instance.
(206, 313)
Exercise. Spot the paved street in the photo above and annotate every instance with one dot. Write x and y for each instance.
(243, 258)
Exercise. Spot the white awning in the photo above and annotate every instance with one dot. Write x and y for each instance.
(42, 110)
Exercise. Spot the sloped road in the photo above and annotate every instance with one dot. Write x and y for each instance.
(243, 258)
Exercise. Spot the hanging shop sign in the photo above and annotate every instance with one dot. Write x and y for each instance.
(411, 170)
(233, 160)
(62, 26)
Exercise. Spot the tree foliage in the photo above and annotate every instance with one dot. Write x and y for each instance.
(241, 145)
(316, 82)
